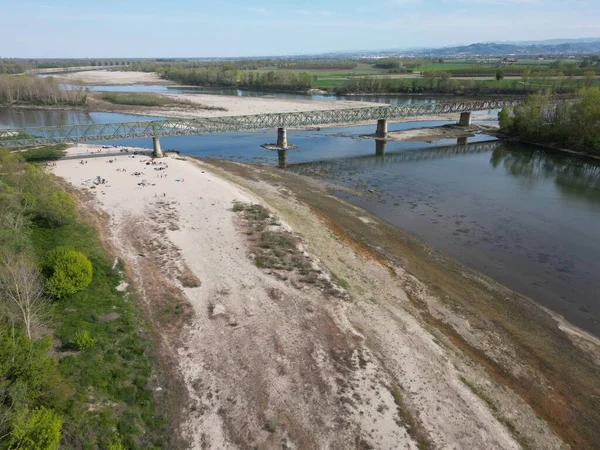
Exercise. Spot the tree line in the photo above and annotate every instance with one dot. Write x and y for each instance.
(39, 91)
(571, 124)
(11, 68)
(515, 71)
(231, 77)
(442, 83)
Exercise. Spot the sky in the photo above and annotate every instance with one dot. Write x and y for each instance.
(227, 28)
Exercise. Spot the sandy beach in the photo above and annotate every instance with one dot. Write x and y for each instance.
(111, 77)
(268, 358)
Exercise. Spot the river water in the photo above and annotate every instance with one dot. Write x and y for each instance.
(525, 217)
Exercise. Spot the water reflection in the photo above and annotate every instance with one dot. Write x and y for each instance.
(525, 217)
(22, 118)
(573, 176)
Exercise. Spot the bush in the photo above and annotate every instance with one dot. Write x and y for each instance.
(71, 272)
(116, 443)
(60, 209)
(84, 340)
(36, 430)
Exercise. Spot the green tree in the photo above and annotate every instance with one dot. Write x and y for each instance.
(588, 78)
(504, 119)
(71, 272)
(35, 430)
(499, 75)
(59, 209)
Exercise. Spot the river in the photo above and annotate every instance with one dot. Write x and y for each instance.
(527, 218)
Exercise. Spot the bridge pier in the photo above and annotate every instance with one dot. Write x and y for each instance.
(282, 137)
(381, 128)
(465, 119)
(461, 140)
(380, 147)
(281, 146)
(282, 158)
(157, 153)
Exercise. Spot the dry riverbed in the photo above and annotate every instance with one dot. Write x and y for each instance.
(291, 319)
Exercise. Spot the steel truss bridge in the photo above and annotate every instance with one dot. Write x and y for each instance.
(180, 127)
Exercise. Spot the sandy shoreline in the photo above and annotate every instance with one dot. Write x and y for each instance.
(319, 369)
(110, 77)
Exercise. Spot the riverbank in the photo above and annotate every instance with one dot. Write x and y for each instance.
(414, 350)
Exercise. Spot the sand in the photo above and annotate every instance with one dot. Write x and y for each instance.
(109, 77)
(268, 363)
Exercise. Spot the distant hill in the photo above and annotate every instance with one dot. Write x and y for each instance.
(559, 47)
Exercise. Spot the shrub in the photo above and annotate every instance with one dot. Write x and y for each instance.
(71, 272)
(83, 339)
(36, 430)
(116, 443)
(60, 209)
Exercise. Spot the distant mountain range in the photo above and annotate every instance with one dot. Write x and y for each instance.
(554, 47)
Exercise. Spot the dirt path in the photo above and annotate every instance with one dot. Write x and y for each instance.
(288, 356)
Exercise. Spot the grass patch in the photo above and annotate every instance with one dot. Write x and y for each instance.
(277, 249)
(112, 375)
(140, 99)
(475, 390)
(413, 426)
(149, 99)
(45, 153)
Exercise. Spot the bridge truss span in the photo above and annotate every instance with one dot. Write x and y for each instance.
(180, 127)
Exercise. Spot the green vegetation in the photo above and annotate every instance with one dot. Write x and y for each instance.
(146, 99)
(230, 76)
(74, 372)
(388, 64)
(71, 271)
(137, 99)
(10, 67)
(443, 83)
(43, 154)
(575, 125)
(37, 429)
(381, 75)
(38, 91)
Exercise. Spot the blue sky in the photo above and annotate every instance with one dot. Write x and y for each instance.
(187, 28)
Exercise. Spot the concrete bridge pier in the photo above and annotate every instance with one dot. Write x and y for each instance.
(381, 128)
(157, 153)
(282, 137)
(380, 147)
(281, 146)
(465, 119)
(282, 158)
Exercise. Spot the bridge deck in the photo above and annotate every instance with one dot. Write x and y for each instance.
(179, 127)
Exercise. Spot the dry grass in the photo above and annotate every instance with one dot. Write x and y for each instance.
(278, 250)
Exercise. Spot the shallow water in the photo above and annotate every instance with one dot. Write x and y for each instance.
(525, 217)
(20, 117)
